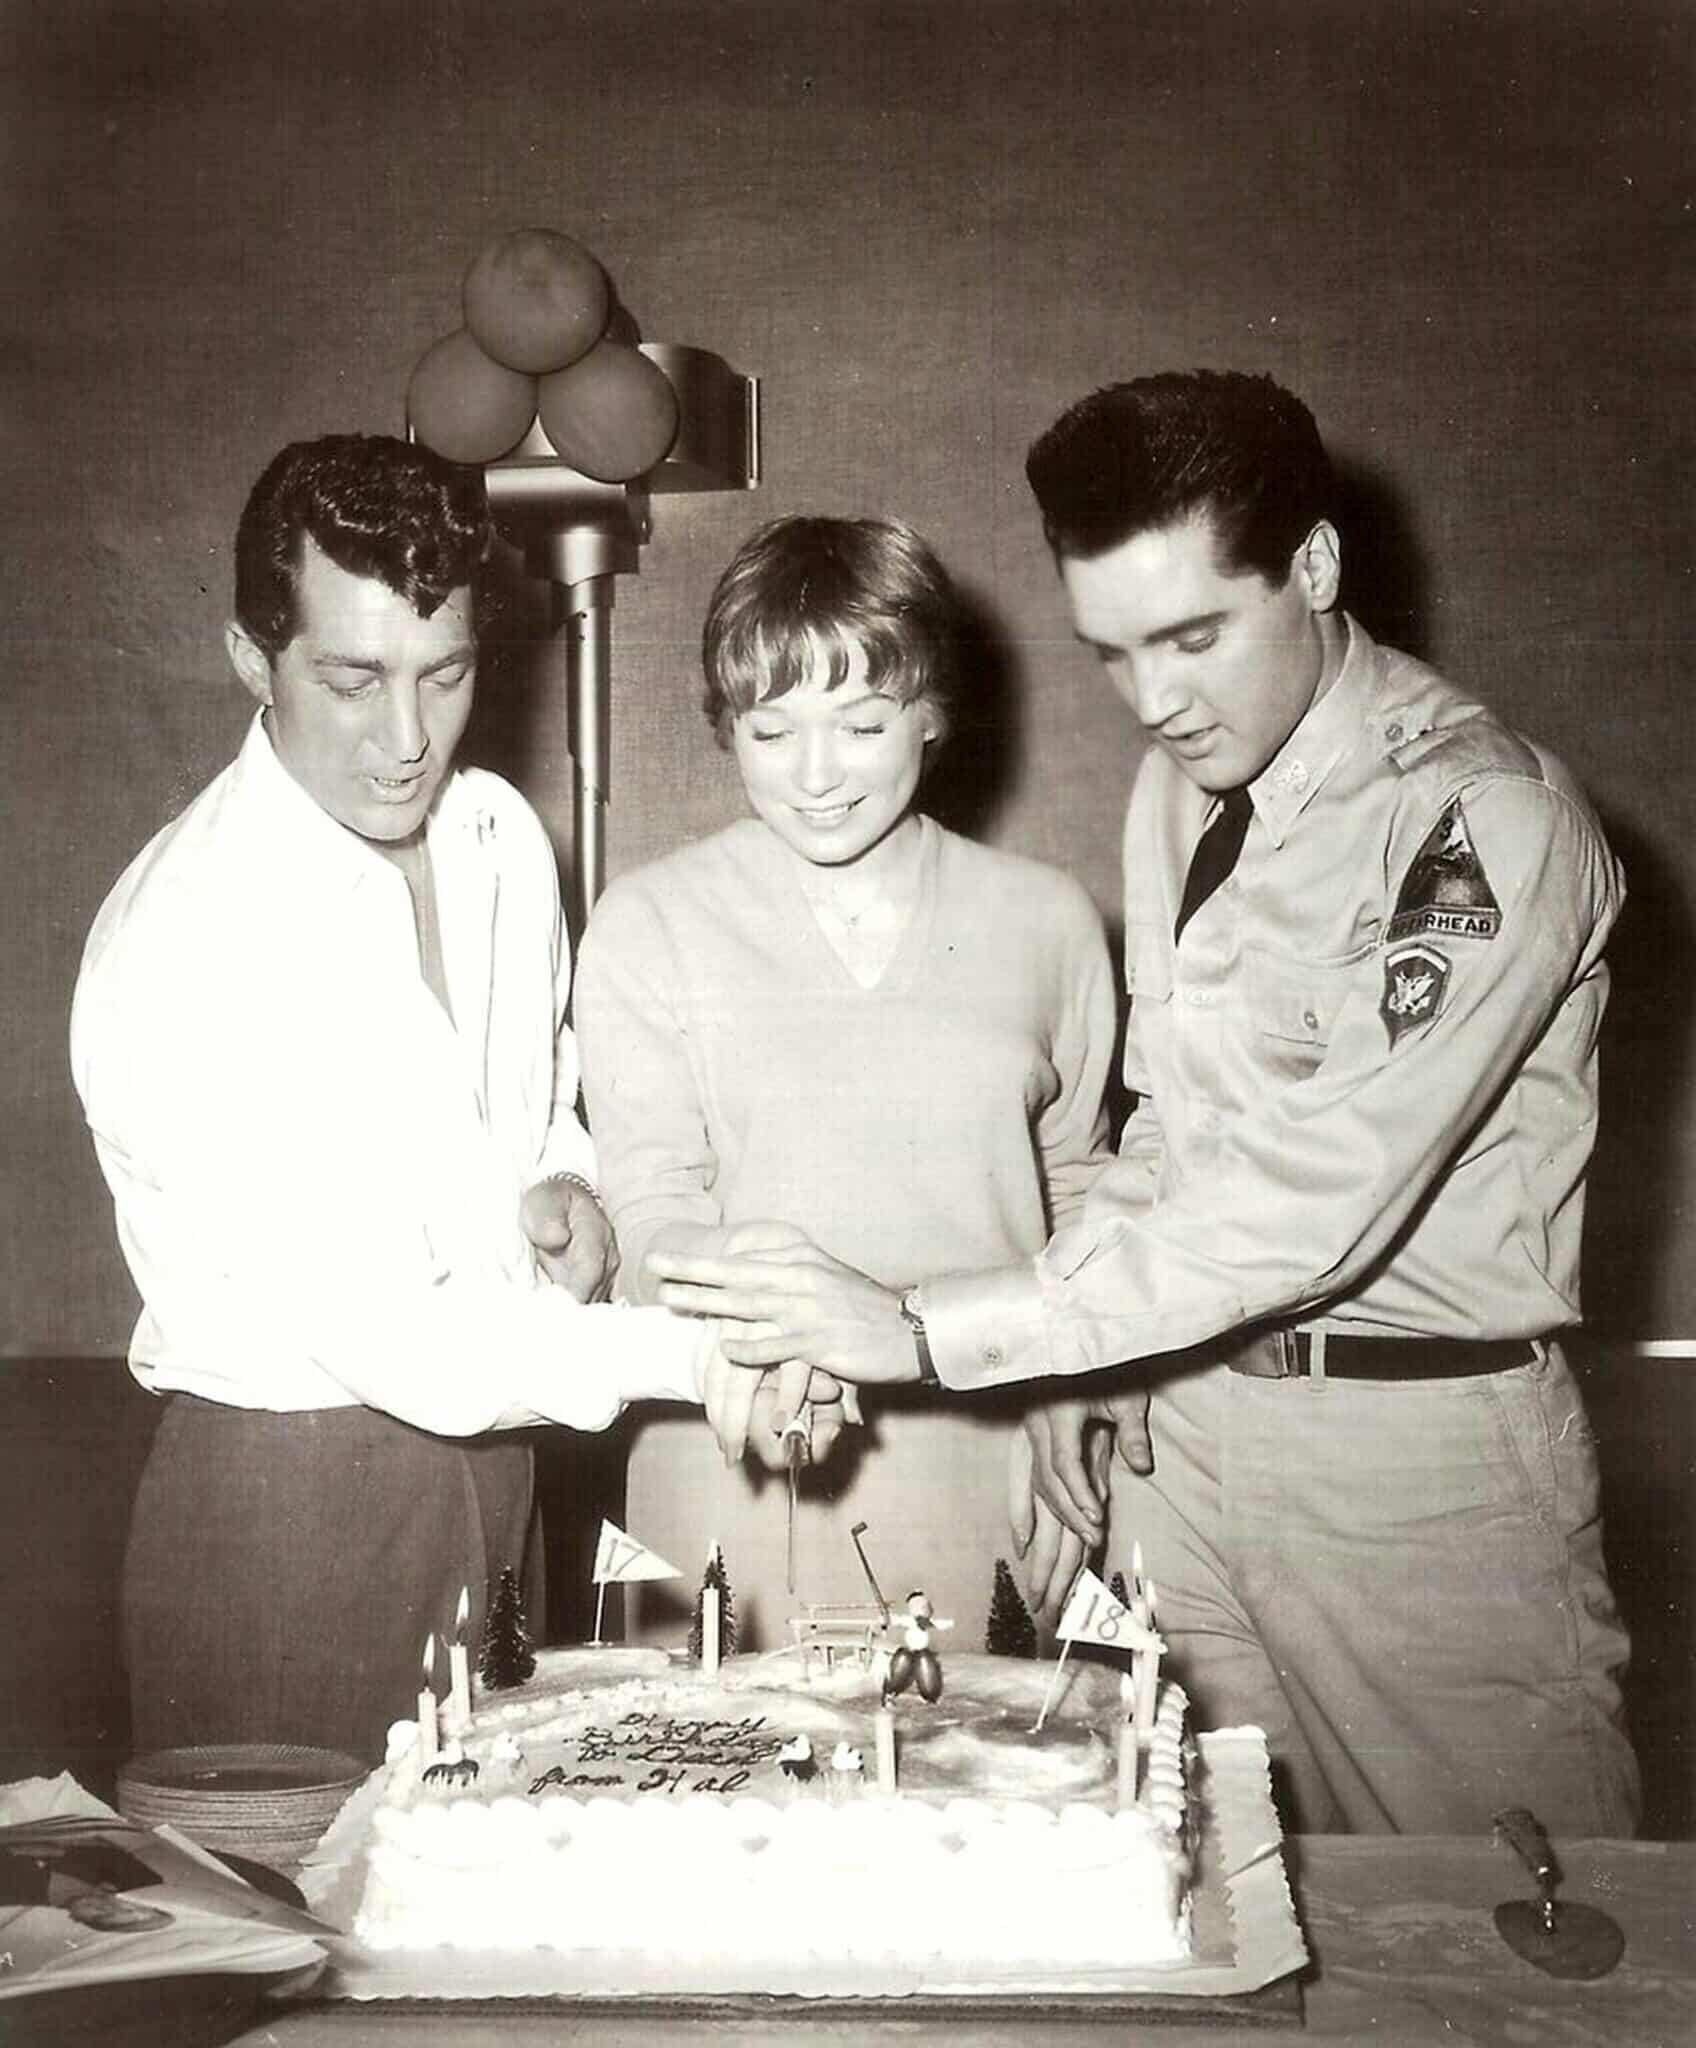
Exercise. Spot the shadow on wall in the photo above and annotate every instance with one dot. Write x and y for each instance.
(515, 642)
(1641, 1412)
(979, 769)
(1630, 1221)
(1385, 577)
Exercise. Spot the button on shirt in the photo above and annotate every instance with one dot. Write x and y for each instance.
(317, 1174)
(1315, 1140)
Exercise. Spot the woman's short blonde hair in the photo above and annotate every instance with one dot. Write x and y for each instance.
(800, 587)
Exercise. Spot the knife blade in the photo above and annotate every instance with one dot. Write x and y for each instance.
(794, 1456)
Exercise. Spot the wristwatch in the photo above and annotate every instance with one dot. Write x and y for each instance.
(913, 1315)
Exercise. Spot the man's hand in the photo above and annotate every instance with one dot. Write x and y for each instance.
(808, 1308)
(1052, 1564)
(1057, 1477)
(1071, 1443)
(572, 1238)
(1052, 1553)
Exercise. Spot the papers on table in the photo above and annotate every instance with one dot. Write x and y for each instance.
(217, 1921)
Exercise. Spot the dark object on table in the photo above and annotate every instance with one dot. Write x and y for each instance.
(110, 1912)
(41, 1871)
(1562, 1939)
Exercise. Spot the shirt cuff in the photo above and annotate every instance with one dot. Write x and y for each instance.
(680, 1363)
(569, 1149)
(987, 1329)
(606, 1355)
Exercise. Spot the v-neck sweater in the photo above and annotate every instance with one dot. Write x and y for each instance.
(950, 1115)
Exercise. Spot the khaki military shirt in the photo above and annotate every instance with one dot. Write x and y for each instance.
(1367, 1072)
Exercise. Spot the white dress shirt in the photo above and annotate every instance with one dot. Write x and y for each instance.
(317, 1174)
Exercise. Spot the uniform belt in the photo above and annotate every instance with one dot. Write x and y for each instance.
(1289, 1355)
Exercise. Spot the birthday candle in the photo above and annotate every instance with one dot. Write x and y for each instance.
(1127, 1787)
(1148, 1673)
(709, 1632)
(427, 1744)
(459, 1663)
(885, 1749)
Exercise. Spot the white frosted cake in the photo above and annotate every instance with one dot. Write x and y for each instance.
(622, 1806)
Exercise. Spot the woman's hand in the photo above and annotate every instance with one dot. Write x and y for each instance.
(750, 1410)
(822, 1415)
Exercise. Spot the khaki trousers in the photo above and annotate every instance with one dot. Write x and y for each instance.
(1402, 1583)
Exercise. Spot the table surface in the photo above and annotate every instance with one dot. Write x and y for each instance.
(1400, 1928)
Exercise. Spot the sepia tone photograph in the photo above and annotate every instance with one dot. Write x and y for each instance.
(849, 998)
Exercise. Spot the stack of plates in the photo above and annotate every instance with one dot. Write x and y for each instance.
(268, 1801)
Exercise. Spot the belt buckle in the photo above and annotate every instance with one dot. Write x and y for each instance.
(1295, 1354)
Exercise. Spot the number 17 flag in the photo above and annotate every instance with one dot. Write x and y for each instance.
(620, 1559)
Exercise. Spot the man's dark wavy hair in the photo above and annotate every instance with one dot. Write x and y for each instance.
(1160, 450)
(376, 506)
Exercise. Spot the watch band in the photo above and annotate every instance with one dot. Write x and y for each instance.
(913, 1315)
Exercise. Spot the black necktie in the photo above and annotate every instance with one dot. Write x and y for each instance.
(1215, 855)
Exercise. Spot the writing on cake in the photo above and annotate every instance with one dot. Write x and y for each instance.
(657, 1753)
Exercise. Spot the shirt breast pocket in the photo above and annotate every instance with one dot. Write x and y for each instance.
(1148, 983)
(1294, 1006)
(1148, 966)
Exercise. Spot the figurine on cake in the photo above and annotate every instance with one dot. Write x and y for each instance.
(916, 1663)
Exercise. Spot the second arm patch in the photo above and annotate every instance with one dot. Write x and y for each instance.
(1415, 981)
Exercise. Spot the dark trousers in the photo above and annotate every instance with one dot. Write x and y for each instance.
(283, 1571)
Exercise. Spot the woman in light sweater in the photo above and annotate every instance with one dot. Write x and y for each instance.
(839, 1016)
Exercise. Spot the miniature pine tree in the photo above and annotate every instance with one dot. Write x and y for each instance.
(715, 1575)
(1011, 1631)
(506, 1658)
(1117, 1587)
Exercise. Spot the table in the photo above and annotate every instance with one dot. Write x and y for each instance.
(1406, 1953)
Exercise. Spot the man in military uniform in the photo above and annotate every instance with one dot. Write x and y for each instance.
(1364, 934)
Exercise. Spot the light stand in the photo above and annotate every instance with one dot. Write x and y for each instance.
(582, 535)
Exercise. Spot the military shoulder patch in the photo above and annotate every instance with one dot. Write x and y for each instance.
(1446, 889)
(1415, 981)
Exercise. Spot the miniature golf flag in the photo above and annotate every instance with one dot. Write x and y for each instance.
(620, 1559)
(1093, 1616)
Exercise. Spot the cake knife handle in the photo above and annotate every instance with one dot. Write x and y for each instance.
(1524, 1833)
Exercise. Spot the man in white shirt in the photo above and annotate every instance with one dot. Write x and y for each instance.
(319, 1038)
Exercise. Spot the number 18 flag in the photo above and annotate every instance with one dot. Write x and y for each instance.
(1093, 1616)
